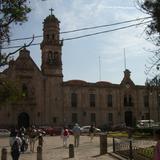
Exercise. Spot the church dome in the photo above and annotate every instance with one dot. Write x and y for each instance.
(51, 18)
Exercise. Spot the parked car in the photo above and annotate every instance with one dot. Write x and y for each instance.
(119, 127)
(48, 130)
(4, 132)
(149, 123)
(41, 131)
(54, 131)
(85, 129)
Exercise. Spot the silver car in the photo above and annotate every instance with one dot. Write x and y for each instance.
(85, 129)
(4, 132)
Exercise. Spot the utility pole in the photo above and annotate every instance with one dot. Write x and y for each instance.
(0, 32)
(99, 68)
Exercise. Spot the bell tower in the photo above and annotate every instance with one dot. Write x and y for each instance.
(51, 51)
(51, 47)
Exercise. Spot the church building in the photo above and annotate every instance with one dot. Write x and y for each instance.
(50, 101)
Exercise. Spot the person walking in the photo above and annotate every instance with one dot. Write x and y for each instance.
(33, 136)
(91, 132)
(76, 132)
(65, 136)
(157, 147)
(15, 143)
(40, 140)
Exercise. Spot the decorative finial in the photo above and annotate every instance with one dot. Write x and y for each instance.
(51, 11)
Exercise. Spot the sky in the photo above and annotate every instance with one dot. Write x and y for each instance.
(95, 58)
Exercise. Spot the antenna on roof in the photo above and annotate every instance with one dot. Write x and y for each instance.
(124, 59)
(99, 68)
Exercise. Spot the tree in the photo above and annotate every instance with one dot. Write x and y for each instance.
(11, 11)
(9, 91)
(152, 8)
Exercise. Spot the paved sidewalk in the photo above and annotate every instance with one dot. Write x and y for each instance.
(53, 149)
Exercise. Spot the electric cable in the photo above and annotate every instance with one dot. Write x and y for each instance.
(85, 28)
(87, 35)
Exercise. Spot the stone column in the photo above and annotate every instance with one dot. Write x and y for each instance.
(103, 144)
(39, 153)
(114, 145)
(4, 154)
(71, 151)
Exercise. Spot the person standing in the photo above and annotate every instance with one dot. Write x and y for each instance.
(65, 136)
(157, 147)
(76, 132)
(91, 132)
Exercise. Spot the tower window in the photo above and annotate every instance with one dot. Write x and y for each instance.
(50, 57)
(53, 36)
(47, 36)
(24, 90)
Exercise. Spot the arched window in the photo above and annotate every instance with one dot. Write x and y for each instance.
(47, 36)
(50, 57)
(24, 90)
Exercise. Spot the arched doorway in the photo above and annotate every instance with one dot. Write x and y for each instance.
(129, 118)
(23, 120)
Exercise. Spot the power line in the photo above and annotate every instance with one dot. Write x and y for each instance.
(86, 28)
(106, 25)
(87, 35)
(92, 34)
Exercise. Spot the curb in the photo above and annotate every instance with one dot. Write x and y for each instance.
(117, 156)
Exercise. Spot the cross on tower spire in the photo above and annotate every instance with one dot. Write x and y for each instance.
(51, 11)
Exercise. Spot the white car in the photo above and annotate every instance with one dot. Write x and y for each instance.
(4, 132)
(85, 129)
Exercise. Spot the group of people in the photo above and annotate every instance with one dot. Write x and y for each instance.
(20, 140)
(76, 133)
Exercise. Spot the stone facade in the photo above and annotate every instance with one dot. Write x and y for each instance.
(51, 101)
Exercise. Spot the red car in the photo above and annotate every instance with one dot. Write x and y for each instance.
(54, 131)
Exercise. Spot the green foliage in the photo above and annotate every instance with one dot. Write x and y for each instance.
(146, 152)
(9, 92)
(152, 7)
(12, 11)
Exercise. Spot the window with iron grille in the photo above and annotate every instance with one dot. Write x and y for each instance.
(110, 117)
(128, 101)
(109, 100)
(93, 117)
(74, 100)
(146, 101)
(74, 118)
(92, 99)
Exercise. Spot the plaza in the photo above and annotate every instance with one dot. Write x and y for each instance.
(53, 149)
